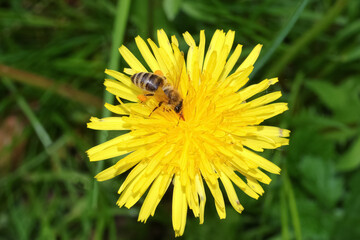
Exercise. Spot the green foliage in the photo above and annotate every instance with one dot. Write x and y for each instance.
(342, 100)
(171, 8)
(47, 189)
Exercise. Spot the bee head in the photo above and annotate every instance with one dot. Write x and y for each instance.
(178, 107)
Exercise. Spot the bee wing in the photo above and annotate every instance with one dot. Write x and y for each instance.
(160, 95)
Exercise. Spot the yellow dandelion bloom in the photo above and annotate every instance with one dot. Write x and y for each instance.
(214, 141)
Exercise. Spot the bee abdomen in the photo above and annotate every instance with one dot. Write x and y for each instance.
(147, 81)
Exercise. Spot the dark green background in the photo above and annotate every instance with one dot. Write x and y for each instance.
(47, 189)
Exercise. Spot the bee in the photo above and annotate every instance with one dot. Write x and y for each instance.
(163, 91)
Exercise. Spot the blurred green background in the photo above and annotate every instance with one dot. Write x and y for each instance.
(52, 59)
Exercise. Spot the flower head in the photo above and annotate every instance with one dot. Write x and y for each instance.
(213, 141)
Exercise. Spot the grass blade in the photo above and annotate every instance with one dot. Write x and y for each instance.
(38, 127)
(306, 38)
(280, 37)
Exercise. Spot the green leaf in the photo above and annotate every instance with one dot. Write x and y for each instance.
(307, 141)
(332, 96)
(351, 160)
(348, 217)
(195, 11)
(330, 128)
(318, 177)
(343, 100)
(316, 222)
(171, 8)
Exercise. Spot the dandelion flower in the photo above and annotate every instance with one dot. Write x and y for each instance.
(216, 140)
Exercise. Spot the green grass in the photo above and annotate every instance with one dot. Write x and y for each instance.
(58, 50)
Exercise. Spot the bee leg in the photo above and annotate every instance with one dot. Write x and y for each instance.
(149, 94)
(160, 103)
(181, 116)
(166, 109)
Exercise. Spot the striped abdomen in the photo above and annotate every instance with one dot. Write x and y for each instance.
(148, 81)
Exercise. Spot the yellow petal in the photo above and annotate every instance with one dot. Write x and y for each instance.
(121, 166)
(262, 162)
(255, 185)
(231, 62)
(121, 77)
(109, 123)
(219, 199)
(229, 40)
(256, 88)
(154, 196)
(174, 41)
(238, 181)
(268, 98)
(160, 60)
(211, 47)
(251, 58)
(234, 200)
(189, 39)
(137, 171)
(165, 44)
(146, 53)
(266, 111)
(202, 196)
(121, 90)
(140, 186)
(179, 208)
(201, 49)
(96, 152)
(131, 59)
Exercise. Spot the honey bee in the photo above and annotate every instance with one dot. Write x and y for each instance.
(163, 91)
